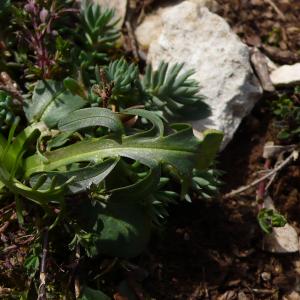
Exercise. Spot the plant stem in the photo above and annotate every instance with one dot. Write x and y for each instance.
(76, 281)
(261, 191)
(43, 274)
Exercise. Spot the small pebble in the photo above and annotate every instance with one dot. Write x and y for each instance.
(265, 276)
(242, 296)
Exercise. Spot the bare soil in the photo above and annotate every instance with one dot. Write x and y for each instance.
(213, 250)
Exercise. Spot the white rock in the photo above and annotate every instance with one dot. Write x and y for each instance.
(119, 6)
(282, 240)
(265, 276)
(151, 27)
(212, 5)
(204, 41)
(292, 296)
(286, 75)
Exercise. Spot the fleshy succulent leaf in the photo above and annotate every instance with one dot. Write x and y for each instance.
(172, 91)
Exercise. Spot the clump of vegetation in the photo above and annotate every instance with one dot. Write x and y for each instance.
(90, 160)
(287, 111)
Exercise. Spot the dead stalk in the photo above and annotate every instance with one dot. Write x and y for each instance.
(42, 288)
(76, 282)
(257, 181)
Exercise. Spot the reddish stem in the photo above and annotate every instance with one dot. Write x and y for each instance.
(261, 190)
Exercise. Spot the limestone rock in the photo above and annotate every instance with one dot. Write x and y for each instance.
(282, 240)
(292, 296)
(204, 42)
(287, 75)
(151, 27)
(118, 5)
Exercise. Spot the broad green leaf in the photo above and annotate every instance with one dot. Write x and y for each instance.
(41, 197)
(91, 294)
(83, 177)
(126, 230)
(209, 148)
(158, 126)
(51, 102)
(88, 117)
(138, 190)
(180, 149)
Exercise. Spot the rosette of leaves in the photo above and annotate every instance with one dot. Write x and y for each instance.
(287, 112)
(160, 200)
(121, 81)
(120, 215)
(7, 115)
(99, 26)
(125, 81)
(173, 93)
(96, 34)
(206, 183)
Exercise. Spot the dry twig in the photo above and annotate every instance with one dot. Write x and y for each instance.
(276, 8)
(133, 42)
(9, 86)
(242, 189)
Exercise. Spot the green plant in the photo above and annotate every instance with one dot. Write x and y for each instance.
(120, 172)
(95, 36)
(287, 111)
(6, 110)
(172, 92)
(268, 219)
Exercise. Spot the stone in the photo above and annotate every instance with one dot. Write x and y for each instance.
(210, 4)
(119, 6)
(242, 296)
(287, 75)
(229, 295)
(265, 276)
(151, 27)
(203, 41)
(149, 30)
(292, 296)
